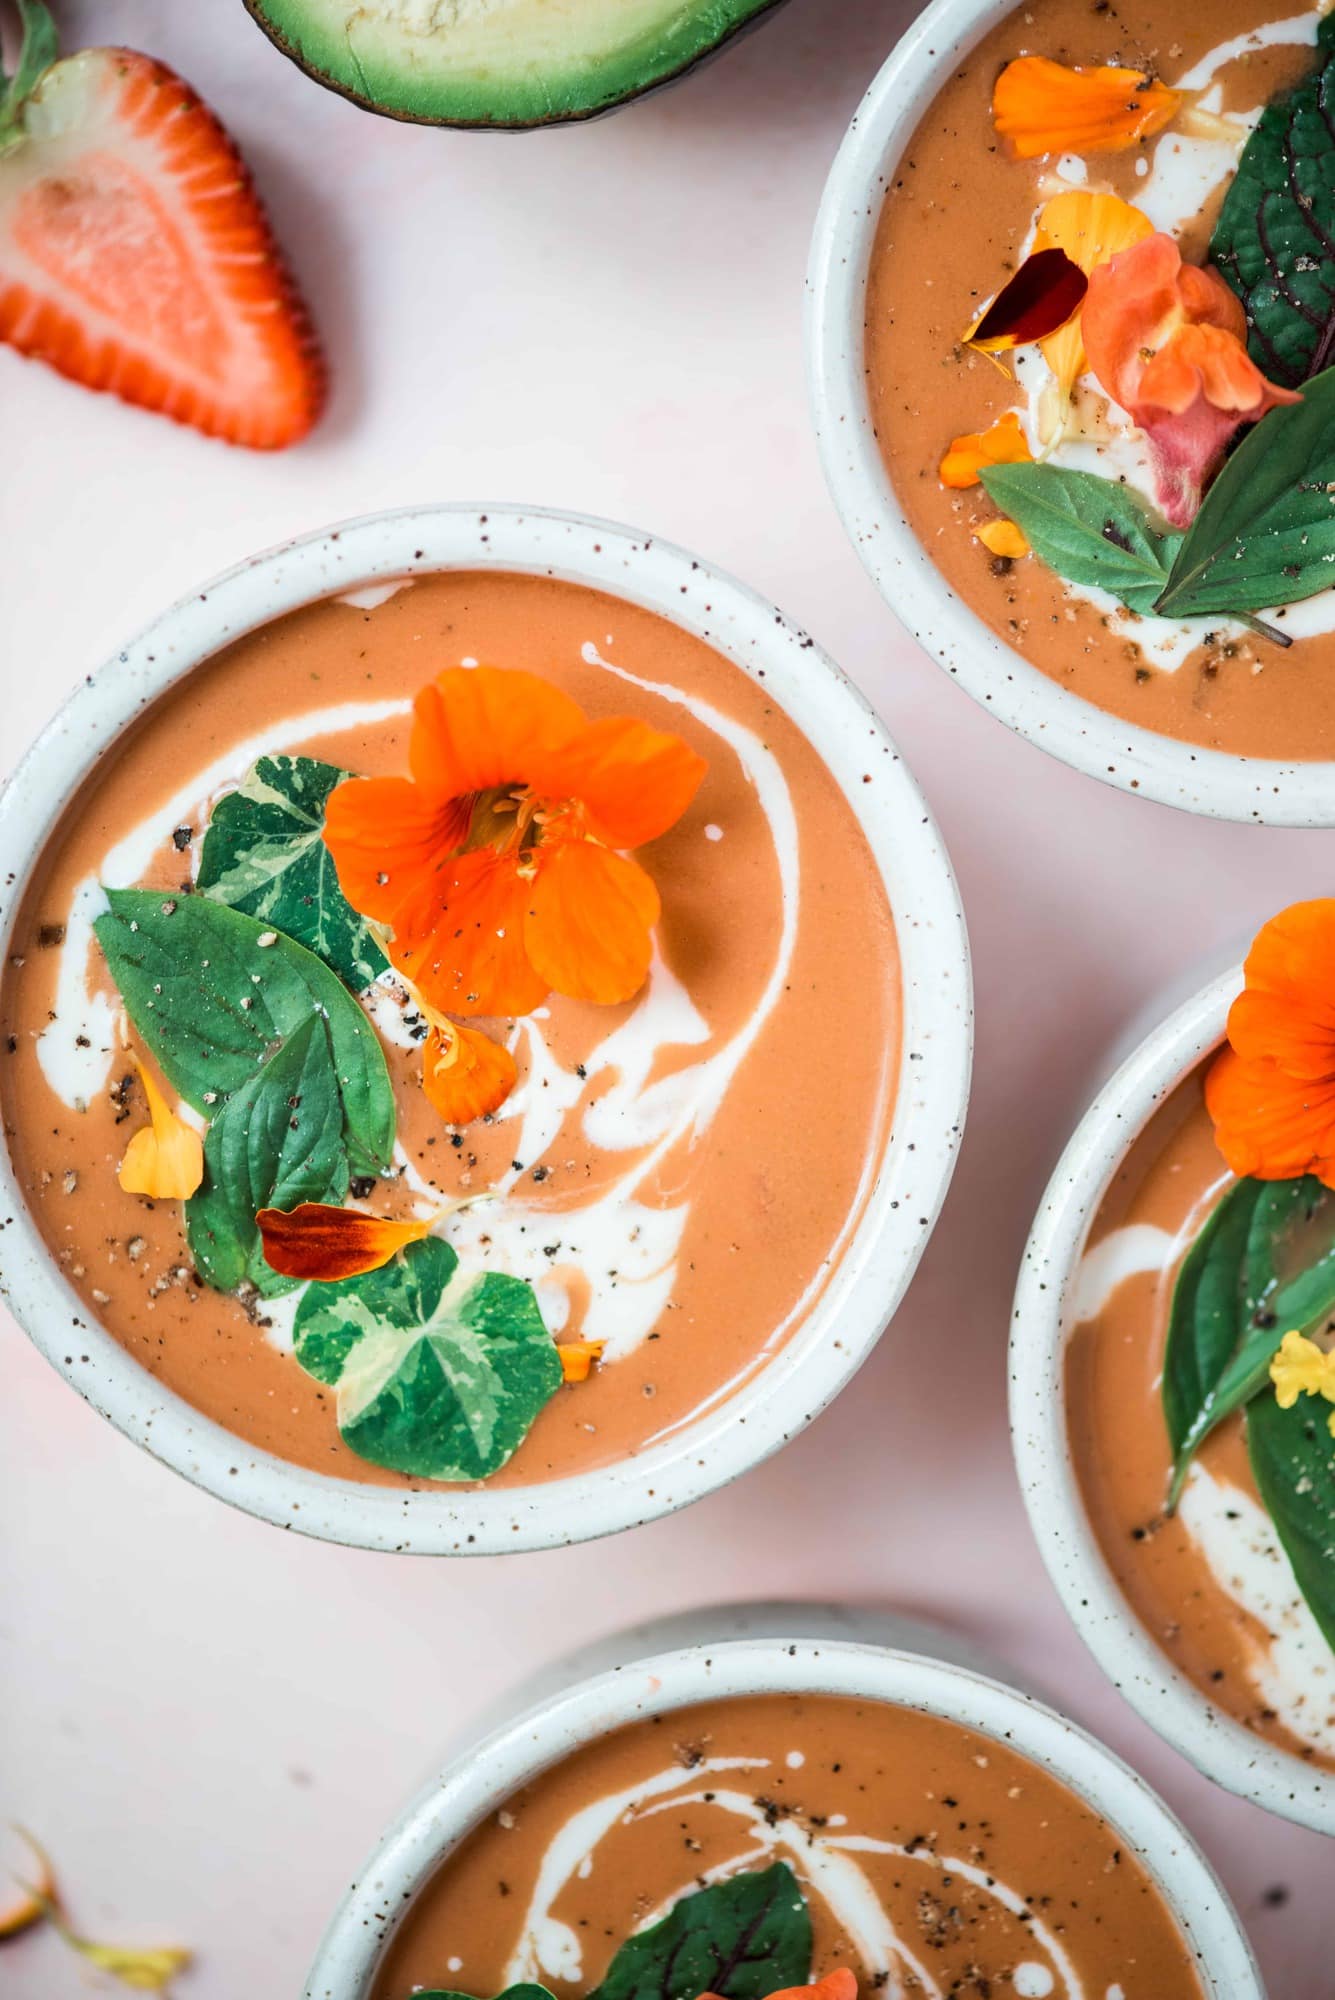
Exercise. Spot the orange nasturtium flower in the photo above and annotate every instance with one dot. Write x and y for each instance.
(1091, 229)
(315, 1240)
(1271, 1090)
(1168, 341)
(1040, 106)
(498, 867)
(165, 1158)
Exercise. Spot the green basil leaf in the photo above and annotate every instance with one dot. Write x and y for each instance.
(1231, 1307)
(210, 1001)
(277, 1141)
(1203, 1318)
(1273, 242)
(1265, 534)
(439, 1374)
(1090, 530)
(1293, 1462)
(264, 853)
(742, 1938)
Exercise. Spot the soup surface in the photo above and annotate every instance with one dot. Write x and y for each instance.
(931, 1860)
(1209, 1582)
(675, 1176)
(956, 220)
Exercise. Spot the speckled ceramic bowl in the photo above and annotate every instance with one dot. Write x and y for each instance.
(860, 1654)
(1002, 680)
(1168, 1701)
(933, 1082)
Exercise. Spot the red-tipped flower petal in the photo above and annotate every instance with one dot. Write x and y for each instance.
(323, 1243)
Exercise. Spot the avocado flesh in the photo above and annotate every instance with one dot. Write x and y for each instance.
(499, 62)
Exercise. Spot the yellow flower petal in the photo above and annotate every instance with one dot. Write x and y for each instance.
(1091, 229)
(165, 1158)
(150, 1971)
(1003, 538)
(1301, 1368)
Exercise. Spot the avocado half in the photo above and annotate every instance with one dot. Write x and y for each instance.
(504, 63)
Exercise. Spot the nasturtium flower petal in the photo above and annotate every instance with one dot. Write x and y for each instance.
(165, 1158)
(465, 1073)
(1040, 106)
(1003, 443)
(321, 1243)
(589, 927)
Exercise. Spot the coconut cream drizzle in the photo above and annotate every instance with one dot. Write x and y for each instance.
(618, 1249)
(1184, 172)
(824, 1861)
(1292, 1670)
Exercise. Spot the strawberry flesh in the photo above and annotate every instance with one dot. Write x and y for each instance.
(135, 256)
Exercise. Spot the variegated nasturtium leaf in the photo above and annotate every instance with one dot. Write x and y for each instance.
(743, 1938)
(438, 1373)
(264, 853)
(275, 1142)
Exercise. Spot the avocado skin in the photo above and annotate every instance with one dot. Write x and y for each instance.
(762, 12)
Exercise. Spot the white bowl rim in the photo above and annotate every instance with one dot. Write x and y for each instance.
(1197, 779)
(878, 1261)
(1165, 1697)
(454, 1802)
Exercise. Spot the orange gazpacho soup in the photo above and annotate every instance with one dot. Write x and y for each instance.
(1100, 329)
(443, 1071)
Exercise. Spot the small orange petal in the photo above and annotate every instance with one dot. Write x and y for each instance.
(324, 1243)
(577, 1358)
(1040, 106)
(1003, 538)
(590, 921)
(635, 781)
(1004, 443)
(465, 1073)
(164, 1159)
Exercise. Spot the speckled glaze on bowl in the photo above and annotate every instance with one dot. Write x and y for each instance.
(1187, 775)
(1215, 1742)
(933, 1084)
(863, 1655)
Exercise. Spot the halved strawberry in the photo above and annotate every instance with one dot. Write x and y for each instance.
(134, 254)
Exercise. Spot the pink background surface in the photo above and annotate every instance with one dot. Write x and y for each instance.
(208, 1721)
